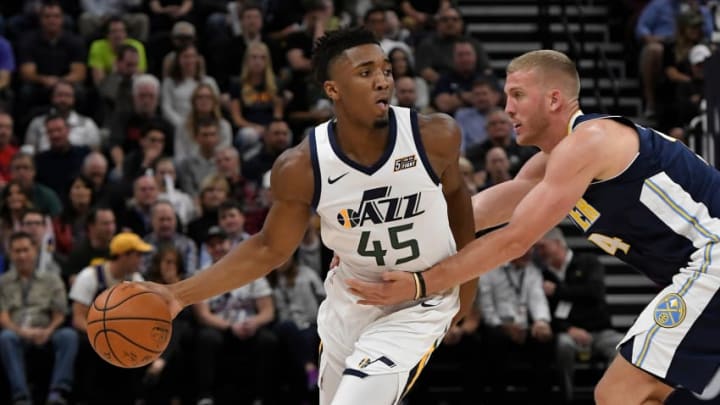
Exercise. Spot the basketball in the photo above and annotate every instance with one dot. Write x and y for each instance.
(128, 325)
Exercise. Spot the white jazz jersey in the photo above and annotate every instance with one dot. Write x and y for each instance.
(391, 215)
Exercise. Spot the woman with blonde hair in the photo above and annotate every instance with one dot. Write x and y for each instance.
(255, 100)
(186, 73)
(204, 105)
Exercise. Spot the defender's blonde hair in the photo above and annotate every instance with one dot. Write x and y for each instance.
(550, 63)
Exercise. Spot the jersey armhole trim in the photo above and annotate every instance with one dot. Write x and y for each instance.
(316, 170)
(421, 149)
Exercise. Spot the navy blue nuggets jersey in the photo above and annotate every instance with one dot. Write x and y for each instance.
(661, 214)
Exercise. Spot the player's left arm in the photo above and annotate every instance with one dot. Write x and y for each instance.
(572, 165)
(442, 141)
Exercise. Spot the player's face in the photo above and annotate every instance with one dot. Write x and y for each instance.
(525, 105)
(364, 84)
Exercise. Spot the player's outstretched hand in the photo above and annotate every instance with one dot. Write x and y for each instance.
(394, 288)
(164, 290)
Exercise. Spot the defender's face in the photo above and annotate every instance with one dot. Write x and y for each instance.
(363, 76)
(525, 105)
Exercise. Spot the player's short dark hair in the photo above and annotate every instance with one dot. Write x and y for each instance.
(333, 44)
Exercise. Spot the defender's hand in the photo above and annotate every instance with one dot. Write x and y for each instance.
(395, 287)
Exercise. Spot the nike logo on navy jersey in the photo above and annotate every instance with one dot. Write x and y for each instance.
(331, 180)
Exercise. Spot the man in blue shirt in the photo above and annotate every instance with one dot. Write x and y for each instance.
(655, 26)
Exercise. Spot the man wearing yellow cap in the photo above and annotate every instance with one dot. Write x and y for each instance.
(126, 254)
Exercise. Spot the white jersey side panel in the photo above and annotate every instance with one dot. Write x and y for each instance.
(392, 215)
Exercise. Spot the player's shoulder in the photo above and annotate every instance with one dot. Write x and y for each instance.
(439, 132)
(292, 173)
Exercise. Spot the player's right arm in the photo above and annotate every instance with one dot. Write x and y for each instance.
(292, 189)
(495, 205)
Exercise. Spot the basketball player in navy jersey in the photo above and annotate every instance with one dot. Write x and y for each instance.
(387, 186)
(638, 195)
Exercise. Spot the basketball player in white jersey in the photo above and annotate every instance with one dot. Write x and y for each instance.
(390, 194)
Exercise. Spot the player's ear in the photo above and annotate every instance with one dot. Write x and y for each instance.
(555, 99)
(331, 90)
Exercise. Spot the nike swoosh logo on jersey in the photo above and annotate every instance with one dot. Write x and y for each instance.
(331, 180)
(428, 304)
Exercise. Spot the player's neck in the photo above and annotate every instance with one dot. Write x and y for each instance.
(358, 141)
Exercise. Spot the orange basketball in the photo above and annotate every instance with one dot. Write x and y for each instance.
(128, 325)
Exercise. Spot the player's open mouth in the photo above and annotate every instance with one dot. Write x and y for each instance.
(383, 104)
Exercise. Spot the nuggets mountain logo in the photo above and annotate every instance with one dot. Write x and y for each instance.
(378, 207)
(405, 163)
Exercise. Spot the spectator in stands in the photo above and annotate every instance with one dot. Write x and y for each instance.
(95, 168)
(163, 13)
(83, 130)
(255, 99)
(115, 88)
(434, 55)
(469, 175)
(275, 141)
(127, 126)
(298, 292)
(7, 67)
(96, 13)
(402, 67)
(232, 221)
(305, 106)
(14, 201)
(186, 73)
(48, 55)
(57, 166)
(136, 216)
(140, 162)
(517, 316)
(163, 378)
(395, 29)
(575, 287)
(242, 189)
(103, 52)
(182, 35)
(71, 225)
(284, 18)
(7, 149)
(205, 105)
(199, 165)
(126, 255)
(453, 89)
(497, 167)
(473, 120)
(33, 308)
(500, 133)
(39, 226)
(164, 231)
(677, 71)
(405, 93)
(213, 192)
(166, 177)
(94, 249)
(656, 26)
(422, 12)
(228, 55)
(375, 21)
(100, 380)
(236, 322)
(22, 170)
